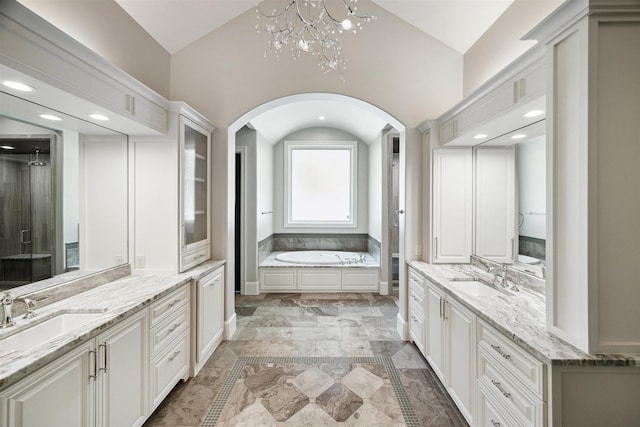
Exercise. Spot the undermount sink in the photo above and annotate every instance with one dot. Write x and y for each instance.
(47, 330)
(475, 288)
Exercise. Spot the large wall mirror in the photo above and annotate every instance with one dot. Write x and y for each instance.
(510, 199)
(63, 195)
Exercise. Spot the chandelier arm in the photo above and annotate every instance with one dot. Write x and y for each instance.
(335, 21)
(300, 14)
(284, 11)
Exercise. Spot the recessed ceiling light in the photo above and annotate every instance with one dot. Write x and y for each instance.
(18, 86)
(534, 113)
(101, 117)
(321, 117)
(480, 136)
(50, 117)
(7, 147)
(519, 136)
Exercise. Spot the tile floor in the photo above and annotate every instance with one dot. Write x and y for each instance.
(312, 359)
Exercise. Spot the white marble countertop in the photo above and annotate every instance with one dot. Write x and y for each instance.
(519, 315)
(272, 262)
(114, 301)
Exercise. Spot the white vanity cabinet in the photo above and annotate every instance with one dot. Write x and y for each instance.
(511, 383)
(452, 202)
(100, 383)
(450, 347)
(208, 317)
(170, 343)
(416, 310)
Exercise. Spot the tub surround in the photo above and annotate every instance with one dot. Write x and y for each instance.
(374, 248)
(116, 300)
(520, 316)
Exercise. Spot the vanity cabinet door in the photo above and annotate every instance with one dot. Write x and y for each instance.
(434, 348)
(210, 316)
(60, 394)
(123, 362)
(452, 205)
(460, 326)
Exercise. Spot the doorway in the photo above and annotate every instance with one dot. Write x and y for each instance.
(394, 212)
(238, 222)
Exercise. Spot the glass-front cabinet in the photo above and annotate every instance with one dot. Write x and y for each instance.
(195, 202)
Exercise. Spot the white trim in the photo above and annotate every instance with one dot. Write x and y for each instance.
(230, 326)
(352, 147)
(251, 288)
(383, 287)
(402, 327)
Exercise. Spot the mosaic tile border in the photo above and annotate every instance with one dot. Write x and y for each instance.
(410, 418)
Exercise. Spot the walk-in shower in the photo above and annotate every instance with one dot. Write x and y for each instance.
(27, 210)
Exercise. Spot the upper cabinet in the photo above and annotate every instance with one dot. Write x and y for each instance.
(452, 205)
(195, 193)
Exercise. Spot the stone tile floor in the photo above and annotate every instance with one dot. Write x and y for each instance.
(354, 325)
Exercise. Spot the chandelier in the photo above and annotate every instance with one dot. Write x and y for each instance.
(308, 26)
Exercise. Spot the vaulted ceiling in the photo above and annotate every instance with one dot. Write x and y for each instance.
(177, 23)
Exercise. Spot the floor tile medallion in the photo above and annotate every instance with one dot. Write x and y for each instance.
(312, 391)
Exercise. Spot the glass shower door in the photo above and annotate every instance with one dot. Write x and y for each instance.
(26, 248)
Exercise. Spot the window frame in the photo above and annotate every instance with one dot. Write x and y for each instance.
(352, 147)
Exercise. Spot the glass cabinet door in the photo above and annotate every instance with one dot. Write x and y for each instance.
(195, 162)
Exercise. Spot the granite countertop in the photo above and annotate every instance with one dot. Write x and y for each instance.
(518, 315)
(271, 262)
(113, 301)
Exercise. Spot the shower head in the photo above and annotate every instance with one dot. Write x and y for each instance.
(37, 161)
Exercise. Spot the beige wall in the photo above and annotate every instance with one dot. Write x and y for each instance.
(500, 44)
(108, 30)
(391, 65)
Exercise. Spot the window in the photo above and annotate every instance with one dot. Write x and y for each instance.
(320, 184)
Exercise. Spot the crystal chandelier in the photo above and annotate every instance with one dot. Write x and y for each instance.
(309, 26)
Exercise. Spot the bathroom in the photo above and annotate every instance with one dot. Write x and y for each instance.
(120, 217)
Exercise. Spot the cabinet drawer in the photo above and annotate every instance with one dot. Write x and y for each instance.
(168, 368)
(169, 304)
(517, 400)
(488, 413)
(169, 329)
(416, 288)
(529, 370)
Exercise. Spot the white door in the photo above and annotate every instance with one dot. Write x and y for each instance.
(495, 204)
(434, 349)
(451, 205)
(210, 314)
(460, 357)
(61, 394)
(123, 362)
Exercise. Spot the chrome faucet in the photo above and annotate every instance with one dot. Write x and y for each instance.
(502, 278)
(7, 305)
(31, 305)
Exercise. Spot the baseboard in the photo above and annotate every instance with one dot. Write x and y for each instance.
(402, 327)
(252, 288)
(230, 326)
(384, 288)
